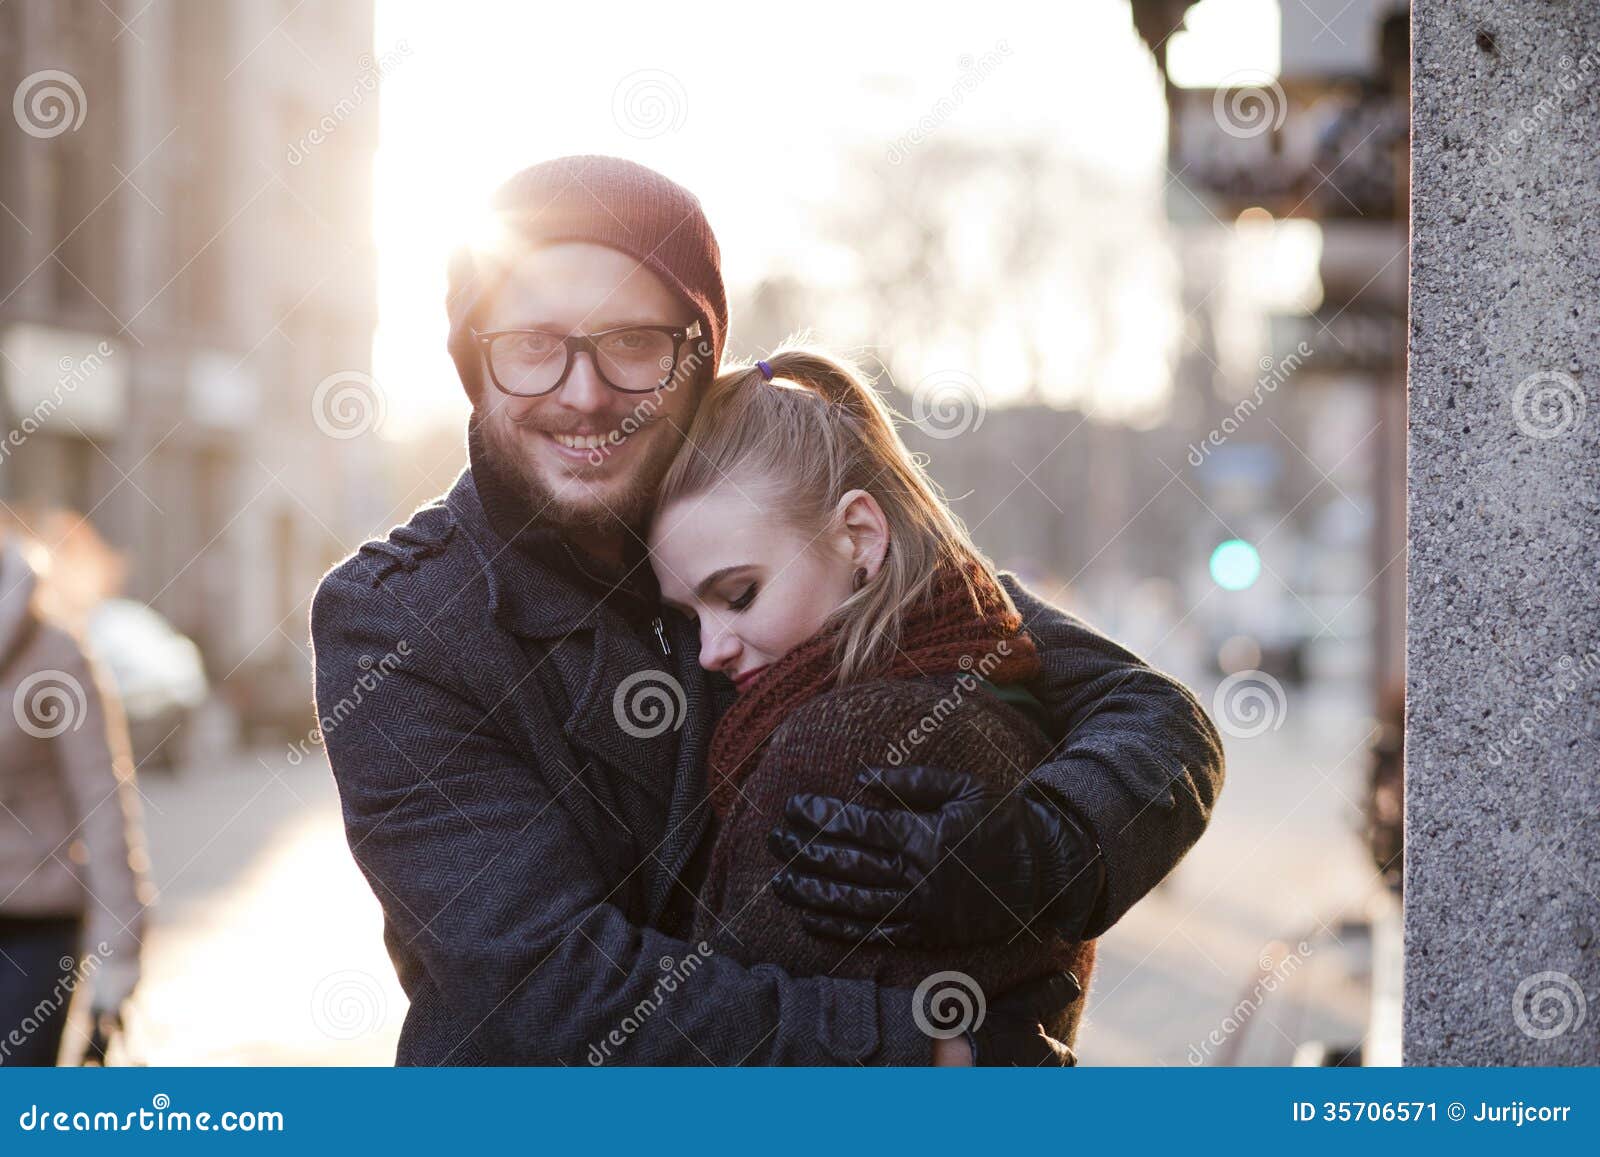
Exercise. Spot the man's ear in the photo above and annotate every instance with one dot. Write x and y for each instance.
(865, 528)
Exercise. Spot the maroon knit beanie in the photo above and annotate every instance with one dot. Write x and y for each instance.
(607, 201)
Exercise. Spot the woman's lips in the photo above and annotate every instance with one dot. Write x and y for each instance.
(742, 682)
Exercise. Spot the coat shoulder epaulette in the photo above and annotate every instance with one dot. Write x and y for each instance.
(426, 536)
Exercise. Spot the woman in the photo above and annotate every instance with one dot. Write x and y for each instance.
(71, 889)
(861, 628)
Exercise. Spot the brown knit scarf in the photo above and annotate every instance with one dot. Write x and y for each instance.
(942, 634)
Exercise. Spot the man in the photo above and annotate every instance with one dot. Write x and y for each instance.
(518, 728)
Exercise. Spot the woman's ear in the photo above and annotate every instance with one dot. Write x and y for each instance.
(865, 529)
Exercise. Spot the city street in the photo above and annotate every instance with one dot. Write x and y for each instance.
(266, 947)
(1282, 862)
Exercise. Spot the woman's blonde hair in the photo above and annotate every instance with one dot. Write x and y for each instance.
(816, 431)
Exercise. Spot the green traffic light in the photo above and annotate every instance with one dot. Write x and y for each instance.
(1235, 565)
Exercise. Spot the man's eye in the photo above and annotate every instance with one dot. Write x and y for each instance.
(532, 345)
(744, 599)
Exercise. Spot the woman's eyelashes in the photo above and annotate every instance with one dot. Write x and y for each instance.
(745, 598)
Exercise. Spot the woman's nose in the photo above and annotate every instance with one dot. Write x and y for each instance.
(718, 648)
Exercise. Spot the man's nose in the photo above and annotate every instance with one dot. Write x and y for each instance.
(584, 390)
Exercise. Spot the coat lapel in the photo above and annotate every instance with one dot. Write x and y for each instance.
(630, 710)
(645, 715)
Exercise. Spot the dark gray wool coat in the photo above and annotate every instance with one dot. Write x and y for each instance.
(524, 819)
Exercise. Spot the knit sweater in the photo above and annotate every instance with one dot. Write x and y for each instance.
(944, 719)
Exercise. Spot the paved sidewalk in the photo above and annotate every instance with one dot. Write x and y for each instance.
(266, 947)
(267, 944)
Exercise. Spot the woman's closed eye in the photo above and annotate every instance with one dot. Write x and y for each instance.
(745, 598)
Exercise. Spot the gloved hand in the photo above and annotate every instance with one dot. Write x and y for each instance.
(1011, 1032)
(959, 861)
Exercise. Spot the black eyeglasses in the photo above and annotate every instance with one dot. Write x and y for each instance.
(635, 359)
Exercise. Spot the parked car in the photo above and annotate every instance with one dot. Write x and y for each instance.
(158, 674)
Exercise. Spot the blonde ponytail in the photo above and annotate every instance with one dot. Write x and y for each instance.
(815, 431)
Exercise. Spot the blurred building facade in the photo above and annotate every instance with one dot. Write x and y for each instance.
(1326, 141)
(1278, 231)
(185, 258)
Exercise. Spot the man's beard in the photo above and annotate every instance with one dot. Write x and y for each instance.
(577, 508)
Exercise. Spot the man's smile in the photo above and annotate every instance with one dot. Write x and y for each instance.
(591, 447)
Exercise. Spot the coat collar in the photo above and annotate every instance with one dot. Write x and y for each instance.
(539, 586)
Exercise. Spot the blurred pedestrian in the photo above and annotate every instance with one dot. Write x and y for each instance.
(72, 858)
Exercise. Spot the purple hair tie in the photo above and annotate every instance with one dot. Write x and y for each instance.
(766, 371)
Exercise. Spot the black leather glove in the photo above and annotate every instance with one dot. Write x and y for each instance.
(1011, 1032)
(958, 861)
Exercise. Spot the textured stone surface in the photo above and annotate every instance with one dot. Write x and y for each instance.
(1503, 729)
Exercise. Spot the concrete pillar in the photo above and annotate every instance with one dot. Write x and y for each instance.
(1502, 881)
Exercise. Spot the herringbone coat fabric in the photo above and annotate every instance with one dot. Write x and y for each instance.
(522, 774)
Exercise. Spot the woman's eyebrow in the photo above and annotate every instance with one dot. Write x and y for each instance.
(715, 577)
